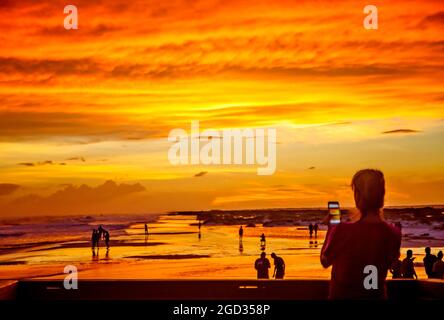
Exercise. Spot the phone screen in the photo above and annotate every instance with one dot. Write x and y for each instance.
(334, 212)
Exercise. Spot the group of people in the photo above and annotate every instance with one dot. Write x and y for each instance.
(262, 265)
(433, 265)
(313, 228)
(98, 234)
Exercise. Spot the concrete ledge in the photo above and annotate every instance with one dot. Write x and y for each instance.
(211, 290)
(176, 290)
(8, 289)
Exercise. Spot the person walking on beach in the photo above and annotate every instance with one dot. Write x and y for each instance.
(310, 228)
(429, 260)
(241, 232)
(96, 239)
(438, 267)
(279, 266)
(315, 229)
(200, 225)
(350, 246)
(407, 266)
(106, 236)
(146, 229)
(263, 240)
(93, 239)
(262, 265)
(396, 268)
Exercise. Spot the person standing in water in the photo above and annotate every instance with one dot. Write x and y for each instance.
(146, 229)
(93, 239)
(106, 236)
(310, 229)
(241, 232)
(263, 240)
(97, 239)
(315, 229)
(279, 266)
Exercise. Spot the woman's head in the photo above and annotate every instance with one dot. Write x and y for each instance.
(369, 190)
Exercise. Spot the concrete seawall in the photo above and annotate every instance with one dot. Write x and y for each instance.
(203, 290)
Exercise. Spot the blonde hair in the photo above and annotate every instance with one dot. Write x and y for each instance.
(369, 188)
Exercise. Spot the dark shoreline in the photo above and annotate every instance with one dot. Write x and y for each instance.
(285, 217)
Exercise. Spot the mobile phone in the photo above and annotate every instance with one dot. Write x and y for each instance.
(334, 212)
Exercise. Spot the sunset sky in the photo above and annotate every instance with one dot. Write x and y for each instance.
(85, 114)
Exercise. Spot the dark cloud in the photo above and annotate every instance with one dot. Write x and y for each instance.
(73, 199)
(8, 188)
(26, 164)
(83, 32)
(400, 131)
(52, 70)
(434, 19)
(76, 158)
(42, 163)
(84, 127)
(311, 168)
(52, 67)
(201, 174)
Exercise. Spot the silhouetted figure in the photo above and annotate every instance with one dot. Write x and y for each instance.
(263, 242)
(429, 261)
(146, 229)
(438, 267)
(262, 265)
(94, 239)
(315, 229)
(241, 232)
(279, 267)
(407, 266)
(106, 236)
(100, 232)
(350, 246)
(310, 229)
(200, 225)
(395, 269)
